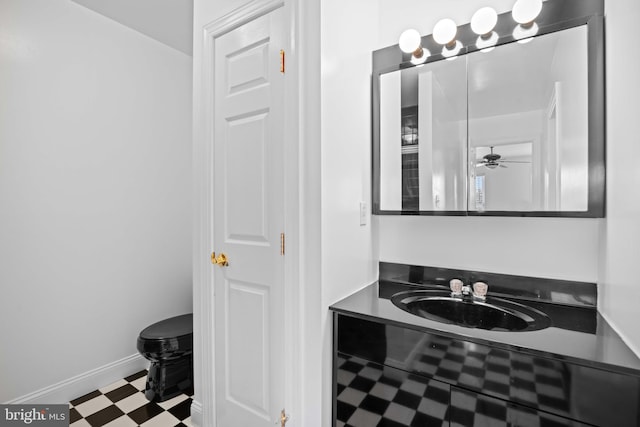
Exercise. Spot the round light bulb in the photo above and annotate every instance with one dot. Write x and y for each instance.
(444, 32)
(525, 11)
(409, 41)
(484, 21)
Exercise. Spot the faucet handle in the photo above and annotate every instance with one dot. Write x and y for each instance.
(456, 286)
(480, 290)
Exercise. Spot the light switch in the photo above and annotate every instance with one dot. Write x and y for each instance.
(363, 213)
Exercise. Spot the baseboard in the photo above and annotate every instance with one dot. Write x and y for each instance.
(196, 413)
(77, 386)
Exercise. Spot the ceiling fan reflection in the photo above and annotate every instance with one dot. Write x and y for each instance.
(494, 160)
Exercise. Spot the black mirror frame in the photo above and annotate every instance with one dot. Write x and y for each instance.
(557, 15)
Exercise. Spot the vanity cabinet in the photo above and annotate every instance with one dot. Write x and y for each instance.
(468, 408)
(386, 373)
(371, 394)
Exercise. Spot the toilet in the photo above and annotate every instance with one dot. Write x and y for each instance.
(168, 345)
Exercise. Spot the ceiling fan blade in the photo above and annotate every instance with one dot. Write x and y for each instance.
(503, 166)
(513, 161)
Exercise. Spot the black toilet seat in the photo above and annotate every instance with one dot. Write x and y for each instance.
(174, 327)
(167, 339)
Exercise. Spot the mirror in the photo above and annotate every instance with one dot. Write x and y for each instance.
(528, 116)
(423, 135)
(514, 130)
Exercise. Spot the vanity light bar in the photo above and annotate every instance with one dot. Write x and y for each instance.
(483, 22)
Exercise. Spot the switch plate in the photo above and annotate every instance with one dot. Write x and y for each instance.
(363, 213)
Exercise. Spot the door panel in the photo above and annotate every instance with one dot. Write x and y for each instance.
(248, 219)
(246, 209)
(248, 67)
(247, 349)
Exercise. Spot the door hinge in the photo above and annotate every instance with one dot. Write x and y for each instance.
(282, 61)
(281, 243)
(283, 418)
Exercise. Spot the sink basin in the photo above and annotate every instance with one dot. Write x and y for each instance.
(495, 314)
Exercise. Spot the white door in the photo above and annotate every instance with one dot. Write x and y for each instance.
(248, 206)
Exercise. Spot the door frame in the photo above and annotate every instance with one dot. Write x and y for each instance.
(203, 408)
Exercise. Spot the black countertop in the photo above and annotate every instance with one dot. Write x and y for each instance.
(578, 334)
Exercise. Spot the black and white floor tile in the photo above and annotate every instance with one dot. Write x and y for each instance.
(123, 404)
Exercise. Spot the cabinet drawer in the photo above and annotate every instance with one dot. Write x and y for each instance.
(367, 394)
(477, 410)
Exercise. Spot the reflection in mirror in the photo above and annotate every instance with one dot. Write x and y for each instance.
(511, 187)
(423, 137)
(528, 125)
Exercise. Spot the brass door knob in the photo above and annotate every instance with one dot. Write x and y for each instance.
(221, 260)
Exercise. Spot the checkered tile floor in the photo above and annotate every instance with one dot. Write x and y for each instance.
(372, 395)
(122, 404)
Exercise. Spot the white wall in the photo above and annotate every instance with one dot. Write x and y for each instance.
(620, 242)
(95, 184)
(348, 33)
(314, 409)
(170, 23)
(541, 247)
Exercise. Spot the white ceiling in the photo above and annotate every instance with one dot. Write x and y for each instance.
(167, 21)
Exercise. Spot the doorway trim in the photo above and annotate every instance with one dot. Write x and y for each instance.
(203, 408)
